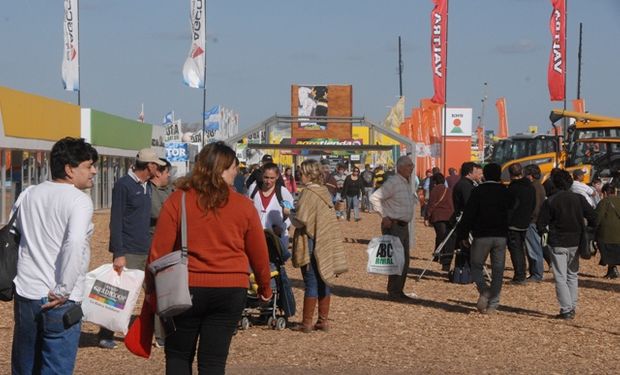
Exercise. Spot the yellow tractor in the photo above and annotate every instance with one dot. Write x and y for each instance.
(591, 143)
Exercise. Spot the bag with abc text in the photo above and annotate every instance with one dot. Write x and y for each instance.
(386, 255)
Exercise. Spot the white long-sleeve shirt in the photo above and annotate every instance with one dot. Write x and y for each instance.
(55, 222)
(272, 214)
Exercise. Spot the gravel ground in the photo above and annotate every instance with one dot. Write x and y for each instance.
(440, 332)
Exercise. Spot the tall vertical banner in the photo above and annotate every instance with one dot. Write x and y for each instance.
(556, 72)
(579, 105)
(439, 49)
(71, 54)
(500, 104)
(195, 64)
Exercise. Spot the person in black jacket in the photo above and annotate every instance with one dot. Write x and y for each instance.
(352, 190)
(524, 196)
(471, 174)
(486, 217)
(562, 216)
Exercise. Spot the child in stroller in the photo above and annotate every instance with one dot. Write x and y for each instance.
(282, 306)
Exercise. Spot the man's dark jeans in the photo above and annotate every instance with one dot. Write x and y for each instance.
(213, 318)
(516, 246)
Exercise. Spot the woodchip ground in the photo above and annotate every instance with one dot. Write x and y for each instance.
(439, 333)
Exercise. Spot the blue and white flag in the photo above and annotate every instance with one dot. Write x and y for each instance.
(195, 65)
(168, 118)
(177, 151)
(71, 54)
(212, 119)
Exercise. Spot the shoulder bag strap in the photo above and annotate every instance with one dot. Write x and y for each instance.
(183, 229)
(441, 199)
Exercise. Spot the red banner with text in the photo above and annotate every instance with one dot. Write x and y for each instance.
(439, 52)
(556, 72)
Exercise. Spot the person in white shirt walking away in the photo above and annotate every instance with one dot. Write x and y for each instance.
(55, 222)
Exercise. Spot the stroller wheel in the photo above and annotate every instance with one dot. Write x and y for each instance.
(245, 323)
(280, 324)
(271, 322)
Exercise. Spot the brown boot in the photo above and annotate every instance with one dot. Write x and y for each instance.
(322, 323)
(306, 324)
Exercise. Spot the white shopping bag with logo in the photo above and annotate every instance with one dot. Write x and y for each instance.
(109, 299)
(386, 256)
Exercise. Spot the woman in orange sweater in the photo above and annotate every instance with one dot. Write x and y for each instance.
(225, 239)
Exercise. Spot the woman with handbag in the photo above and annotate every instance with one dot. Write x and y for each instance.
(607, 234)
(439, 211)
(224, 238)
(317, 246)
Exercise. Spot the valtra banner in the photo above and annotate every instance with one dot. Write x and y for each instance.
(439, 52)
(556, 72)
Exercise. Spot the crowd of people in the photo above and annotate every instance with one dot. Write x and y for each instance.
(228, 211)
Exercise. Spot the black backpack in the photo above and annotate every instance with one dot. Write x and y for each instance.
(9, 246)
(278, 189)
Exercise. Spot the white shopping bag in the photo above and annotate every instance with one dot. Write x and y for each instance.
(109, 299)
(386, 255)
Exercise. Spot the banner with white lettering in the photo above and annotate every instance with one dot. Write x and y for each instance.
(439, 49)
(556, 72)
(177, 151)
(71, 54)
(194, 67)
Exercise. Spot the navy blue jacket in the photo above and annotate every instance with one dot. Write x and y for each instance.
(130, 218)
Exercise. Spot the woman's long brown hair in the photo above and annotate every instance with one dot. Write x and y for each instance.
(206, 177)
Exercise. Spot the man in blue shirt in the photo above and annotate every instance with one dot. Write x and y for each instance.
(130, 219)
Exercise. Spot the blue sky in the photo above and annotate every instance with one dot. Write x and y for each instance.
(133, 52)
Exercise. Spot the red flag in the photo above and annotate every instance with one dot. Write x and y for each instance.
(579, 105)
(439, 49)
(556, 72)
(500, 104)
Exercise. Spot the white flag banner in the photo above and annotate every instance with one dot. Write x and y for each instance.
(194, 67)
(71, 54)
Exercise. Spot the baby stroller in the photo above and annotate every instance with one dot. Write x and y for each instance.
(276, 312)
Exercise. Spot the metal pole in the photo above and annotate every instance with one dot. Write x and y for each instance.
(204, 84)
(565, 120)
(79, 101)
(579, 62)
(400, 69)
(445, 105)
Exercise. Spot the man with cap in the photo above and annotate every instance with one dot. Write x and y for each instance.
(130, 219)
(579, 187)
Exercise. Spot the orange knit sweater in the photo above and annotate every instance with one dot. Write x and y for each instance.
(222, 246)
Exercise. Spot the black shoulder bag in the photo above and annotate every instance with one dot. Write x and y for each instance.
(9, 246)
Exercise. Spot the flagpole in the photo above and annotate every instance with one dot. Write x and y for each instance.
(565, 122)
(204, 81)
(445, 104)
(79, 55)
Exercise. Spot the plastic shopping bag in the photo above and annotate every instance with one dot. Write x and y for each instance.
(386, 255)
(109, 299)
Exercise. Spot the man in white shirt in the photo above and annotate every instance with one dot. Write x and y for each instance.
(55, 222)
(394, 202)
(579, 187)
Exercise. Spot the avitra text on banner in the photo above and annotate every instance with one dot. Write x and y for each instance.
(71, 53)
(194, 67)
(556, 72)
(439, 52)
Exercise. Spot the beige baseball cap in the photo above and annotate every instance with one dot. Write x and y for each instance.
(148, 155)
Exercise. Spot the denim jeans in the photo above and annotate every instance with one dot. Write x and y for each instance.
(212, 318)
(41, 344)
(314, 284)
(396, 283)
(337, 198)
(516, 246)
(534, 252)
(565, 265)
(353, 203)
(366, 199)
(480, 250)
